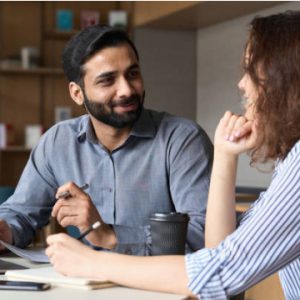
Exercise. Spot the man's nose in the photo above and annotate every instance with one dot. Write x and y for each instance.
(124, 88)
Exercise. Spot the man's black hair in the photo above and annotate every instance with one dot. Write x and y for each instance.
(86, 43)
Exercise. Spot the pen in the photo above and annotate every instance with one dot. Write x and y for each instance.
(67, 194)
(91, 228)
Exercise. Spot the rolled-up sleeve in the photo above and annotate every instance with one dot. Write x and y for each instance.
(267, 240)
(206, 263)
(132, 240)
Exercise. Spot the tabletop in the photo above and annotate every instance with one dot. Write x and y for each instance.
(55, 292)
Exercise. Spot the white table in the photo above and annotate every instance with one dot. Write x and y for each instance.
(62, 293)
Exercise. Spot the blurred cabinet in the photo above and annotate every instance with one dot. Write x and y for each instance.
(12, 162)
(30, 96)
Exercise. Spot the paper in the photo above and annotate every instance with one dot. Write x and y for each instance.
(48, 274)
(32, 255)
(7, 265)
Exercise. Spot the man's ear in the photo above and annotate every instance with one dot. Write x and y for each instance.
(76, 93)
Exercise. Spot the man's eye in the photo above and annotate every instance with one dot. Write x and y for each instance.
(133, 74)
(105, 81)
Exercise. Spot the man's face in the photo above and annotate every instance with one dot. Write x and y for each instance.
(113, 86)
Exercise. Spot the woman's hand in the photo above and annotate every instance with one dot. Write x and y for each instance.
(72, 258)
(235, 134)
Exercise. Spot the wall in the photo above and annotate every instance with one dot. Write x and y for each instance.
(168, 61)
(219, 52)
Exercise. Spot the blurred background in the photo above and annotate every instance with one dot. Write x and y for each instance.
(190, 55)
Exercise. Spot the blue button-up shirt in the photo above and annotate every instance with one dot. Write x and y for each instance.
(163, 166)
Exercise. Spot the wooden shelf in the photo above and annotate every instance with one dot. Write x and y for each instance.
(57, 35)
(15, 149)
(242, 197)
(242, 206)
(31, 96)
(32, 71)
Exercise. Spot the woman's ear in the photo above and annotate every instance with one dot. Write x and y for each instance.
(76, 93)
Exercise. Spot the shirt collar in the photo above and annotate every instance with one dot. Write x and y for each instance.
(143, 127)
(86, 131)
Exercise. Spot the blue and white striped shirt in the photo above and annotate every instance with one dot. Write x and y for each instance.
(267, 240)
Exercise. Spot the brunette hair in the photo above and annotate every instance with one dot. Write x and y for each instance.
(273, 64)
(86, 43)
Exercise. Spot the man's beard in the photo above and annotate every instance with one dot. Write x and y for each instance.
(105, 112)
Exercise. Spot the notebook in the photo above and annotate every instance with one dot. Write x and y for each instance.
(48, 274)
(7, 265)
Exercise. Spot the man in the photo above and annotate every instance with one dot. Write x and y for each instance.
(136, 161)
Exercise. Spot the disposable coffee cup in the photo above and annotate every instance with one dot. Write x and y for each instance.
(168, 231)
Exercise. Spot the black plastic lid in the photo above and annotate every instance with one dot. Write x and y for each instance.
(170, 217)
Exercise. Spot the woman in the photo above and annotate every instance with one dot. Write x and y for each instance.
(268, 236)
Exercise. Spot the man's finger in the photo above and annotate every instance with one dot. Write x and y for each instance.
(66, 210)
(56, 208)
(68, 220)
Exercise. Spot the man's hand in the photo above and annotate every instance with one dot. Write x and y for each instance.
(78, 210)
(5, 233)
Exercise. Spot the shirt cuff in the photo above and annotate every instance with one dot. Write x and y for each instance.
(20, 237)
(203, 269)
(133, 240)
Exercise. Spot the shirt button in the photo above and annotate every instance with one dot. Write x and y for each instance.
(224, 255)
(109, 190)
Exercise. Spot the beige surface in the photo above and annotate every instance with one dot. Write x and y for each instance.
(58, 293)
(268, 289)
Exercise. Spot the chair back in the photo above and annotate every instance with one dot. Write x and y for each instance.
(6, 192)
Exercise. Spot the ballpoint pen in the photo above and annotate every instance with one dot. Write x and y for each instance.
(91, 228)
(67, 194)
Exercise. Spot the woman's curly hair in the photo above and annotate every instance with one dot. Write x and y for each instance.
(273, 64)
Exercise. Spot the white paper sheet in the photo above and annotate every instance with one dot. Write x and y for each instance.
(32, 255)
(47, 274)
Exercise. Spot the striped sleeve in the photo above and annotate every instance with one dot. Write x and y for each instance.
(202, 269)
(268, 240)
(290, 278)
